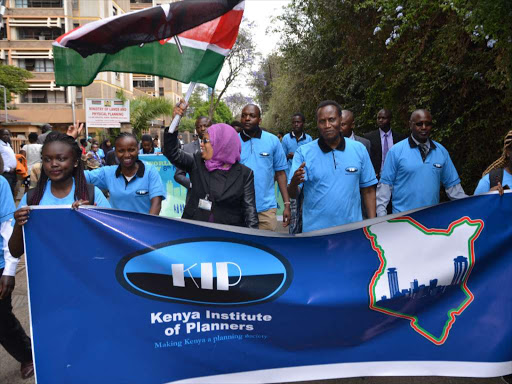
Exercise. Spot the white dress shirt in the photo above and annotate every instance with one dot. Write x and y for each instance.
(8, 156)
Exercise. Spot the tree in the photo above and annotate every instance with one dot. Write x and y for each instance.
(236, 102)
(143, 109)
(14, 80)
(239, 60)
(222, 114)
(262, 80)
(199, 106)
(452, 57)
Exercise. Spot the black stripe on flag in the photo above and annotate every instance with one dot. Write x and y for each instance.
(149, 25)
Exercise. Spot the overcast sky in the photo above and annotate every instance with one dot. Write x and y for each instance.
(260, 12)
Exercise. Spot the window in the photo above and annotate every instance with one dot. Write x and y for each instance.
(118, 75)
(39, 97)
(28, 64)
(144, 83)
(38, 4)
(75, 25)
(114, 11)
(36, 65)
(161, 91)
(39, 33)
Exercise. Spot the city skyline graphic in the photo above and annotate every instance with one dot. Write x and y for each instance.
(423, 276)
(415, 289)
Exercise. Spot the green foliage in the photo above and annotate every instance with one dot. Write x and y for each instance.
(222, 114)
(451, 57)
(200, 106)
(120, 95)
(143, 109)
(14, 80)
(187, 124)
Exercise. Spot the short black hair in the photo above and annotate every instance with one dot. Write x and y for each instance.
(388, 113)
(326, 103)
(83, 142)
(146, 138)
(301, 116)
(32, 137)
(257, 107)
(122, 135)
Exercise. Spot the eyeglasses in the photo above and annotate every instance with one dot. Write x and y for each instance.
(421, 123)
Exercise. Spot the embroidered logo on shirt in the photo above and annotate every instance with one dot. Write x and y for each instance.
(351, 169)
(264, 154)
(142, 192)
(437, 165)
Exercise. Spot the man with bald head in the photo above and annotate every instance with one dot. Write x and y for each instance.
(382, 139)
(415, 169)
(347, 129)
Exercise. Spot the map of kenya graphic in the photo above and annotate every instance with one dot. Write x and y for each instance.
(421, 267)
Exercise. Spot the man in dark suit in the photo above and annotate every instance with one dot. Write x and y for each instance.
(202, 124)
(382, 139)
(347, 128)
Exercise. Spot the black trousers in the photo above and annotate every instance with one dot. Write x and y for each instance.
(12, 336)
(12, 179)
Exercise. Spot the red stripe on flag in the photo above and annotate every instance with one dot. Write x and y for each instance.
(58, 39)
(219, 31)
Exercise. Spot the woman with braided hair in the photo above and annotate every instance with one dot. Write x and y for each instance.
(62, 182)
(498, 175)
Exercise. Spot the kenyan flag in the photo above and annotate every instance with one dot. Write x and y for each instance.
(140, 42)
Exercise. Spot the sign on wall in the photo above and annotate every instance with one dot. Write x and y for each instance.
(106, 113)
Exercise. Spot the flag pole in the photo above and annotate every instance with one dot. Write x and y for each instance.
(177, 118)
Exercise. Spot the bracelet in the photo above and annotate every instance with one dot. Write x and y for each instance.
(287, 203)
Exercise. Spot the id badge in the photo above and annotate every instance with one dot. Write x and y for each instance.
(205, 204)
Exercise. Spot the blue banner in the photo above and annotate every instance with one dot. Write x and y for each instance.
(121, 297)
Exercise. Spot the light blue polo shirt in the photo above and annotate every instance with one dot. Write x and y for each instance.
(134, 195)
(416, 183)
(332, 182)
(290, 144)
(264, 155)
(49, 199)
(484, 184)
(7, 209)
(157, 150)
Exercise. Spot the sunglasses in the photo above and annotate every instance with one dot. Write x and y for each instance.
(421, 123)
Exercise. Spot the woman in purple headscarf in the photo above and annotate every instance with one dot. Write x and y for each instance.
(222, 189)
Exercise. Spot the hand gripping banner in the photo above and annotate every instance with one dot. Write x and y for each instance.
(120, 297)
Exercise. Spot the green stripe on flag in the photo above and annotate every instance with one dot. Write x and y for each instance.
(201, 66)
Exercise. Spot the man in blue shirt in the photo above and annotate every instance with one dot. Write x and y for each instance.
(295, 139)
(415, 169)
(334, 172)
(263, 153)
(12, 336)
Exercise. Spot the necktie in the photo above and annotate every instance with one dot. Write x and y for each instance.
(385, 147)
(423, 151)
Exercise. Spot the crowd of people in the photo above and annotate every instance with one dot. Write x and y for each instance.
(230, 173)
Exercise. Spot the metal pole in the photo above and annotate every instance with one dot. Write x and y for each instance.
(73, 104)
(5, 102)
(177, 118)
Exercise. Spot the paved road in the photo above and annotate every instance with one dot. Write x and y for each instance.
(9, 368)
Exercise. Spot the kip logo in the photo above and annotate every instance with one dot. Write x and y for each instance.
(206, 271)
(351, 169)
(423, 277)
